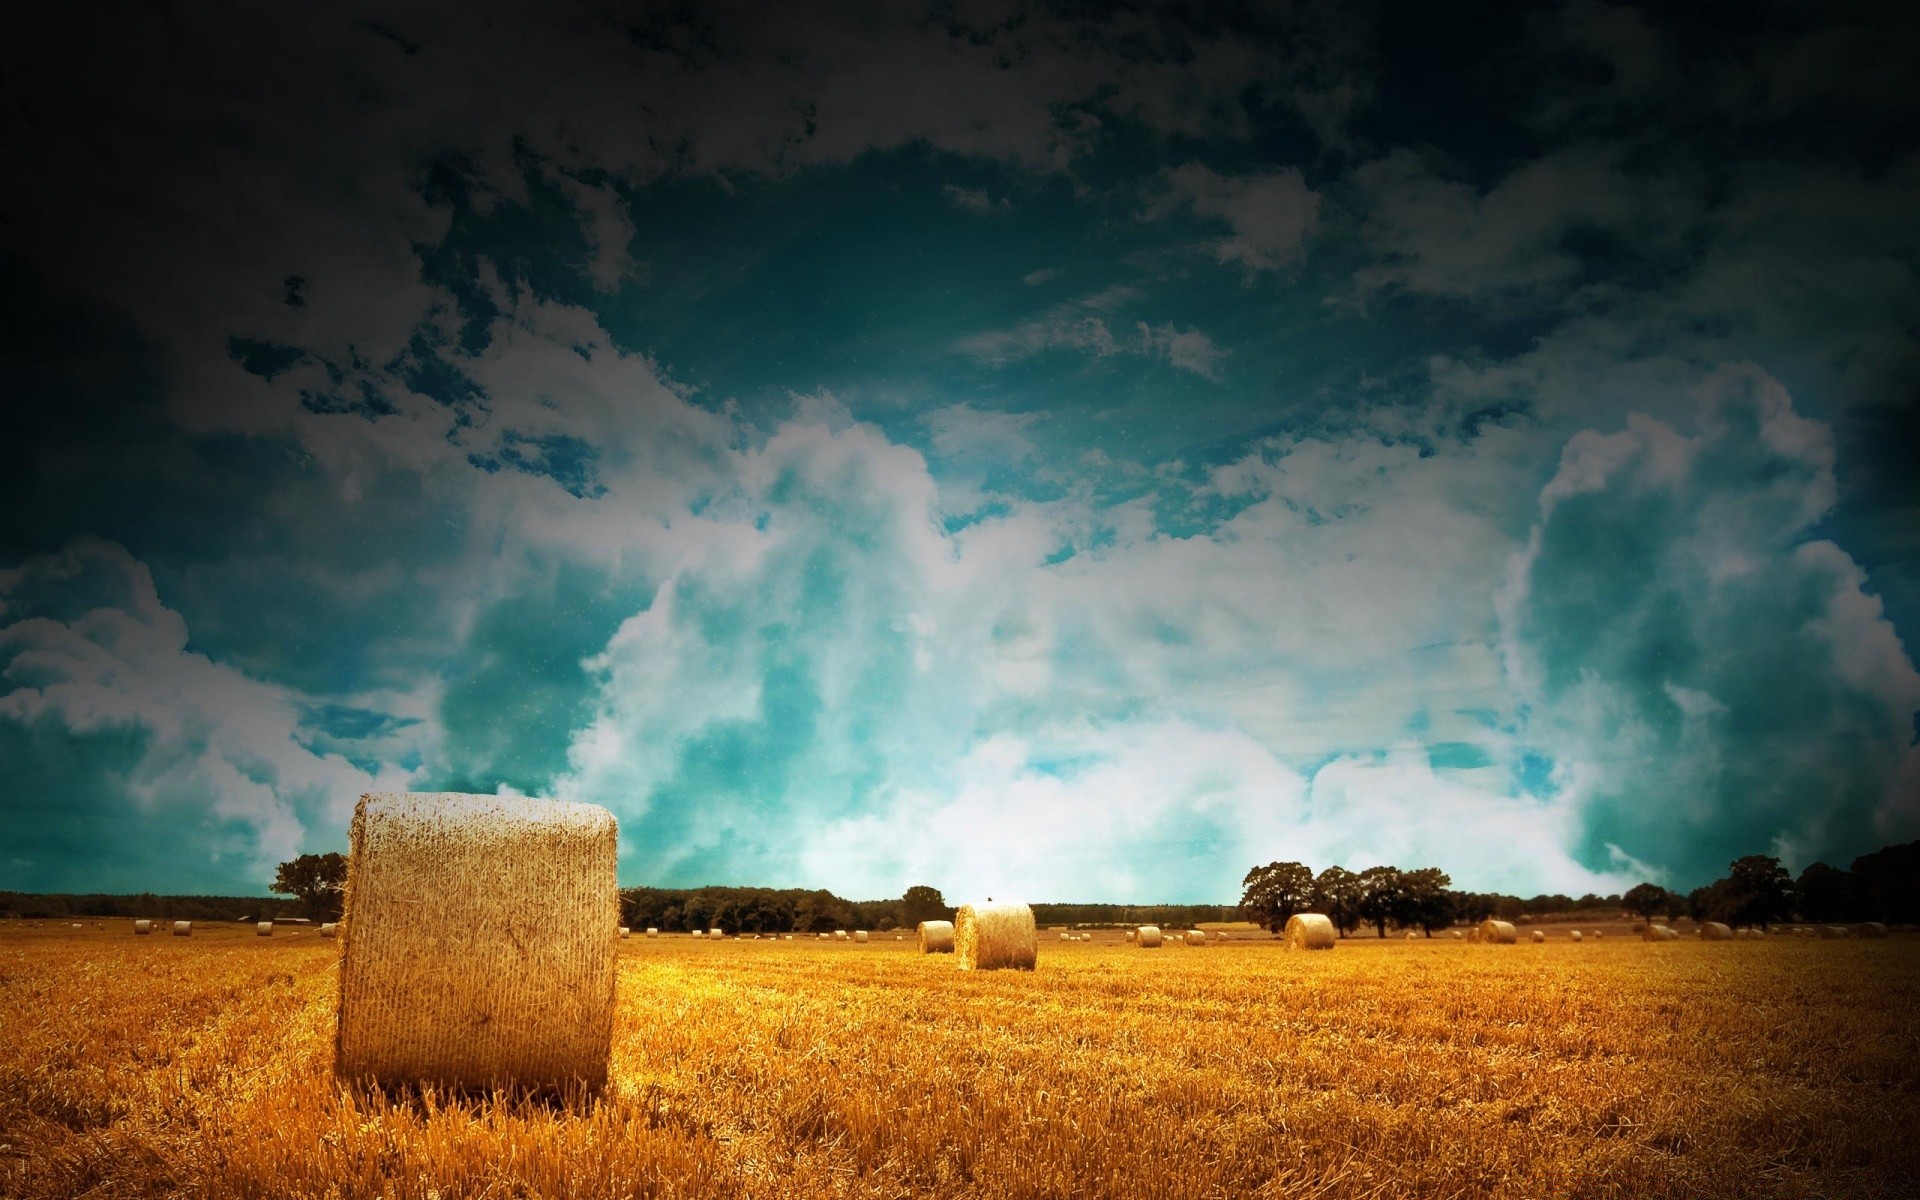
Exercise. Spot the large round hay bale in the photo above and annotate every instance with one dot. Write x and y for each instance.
(995, 936)
(1575, 935)
(936, 937)
(1715, 931)
(1835, 931)
(329, 929)
(653, 931)
(1149, 937)
(1598, 934)
(1459, 936)
(1311, 931)
(1132, 933)
(1539, 935)
(1872, 929)
(480, 942)
(859, 935)
(696, 933)
(1411, 935)
(263, 928)
(716, 933)
(143, 926)
(1498, 933)
(840, 935)
(1196, 937)
(1658, 933)
(183, 929)
(624, 931)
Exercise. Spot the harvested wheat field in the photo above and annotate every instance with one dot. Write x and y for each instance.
(1435, 1068)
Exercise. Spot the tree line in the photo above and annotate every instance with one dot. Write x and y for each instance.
(1757, 890)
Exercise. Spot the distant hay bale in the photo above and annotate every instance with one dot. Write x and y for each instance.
(936, 937)
(859, 935)
(840, 935)
(263, 928)
(1498, 933)
(1539, 935)
(1658, 933)
(480, 947)
(1148, 936)
(1065, 936)
(329, 929)
(1311, 931)
(1835, 931)
(1132, 933)
(624, 931)
(143, 926)
(716, 933)
(1411, 935)
(1598, 934)
(1872, 929)
(183, 929)
(653, 931)
(1715, 931)
(696, 933)
(1196, 937)
(1458, 935)
(1575, 935)
(993, 936)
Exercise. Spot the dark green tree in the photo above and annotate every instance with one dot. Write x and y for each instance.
(1336, 893)
(1643, 900)
(923, 903)
(319, 882)
(1381, 897)
(1756, 891)
(1426, 902)
(1825, 893)
(1273, 893)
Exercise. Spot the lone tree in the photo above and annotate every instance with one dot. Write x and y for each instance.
(318, 880)
(1274, 893)
(923, 903)
(1645, 899)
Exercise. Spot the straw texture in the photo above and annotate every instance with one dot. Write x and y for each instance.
(1149, 937)
(936, 937)
(1499, 933)
(479, 942)
(995, 936)
(1311, 931)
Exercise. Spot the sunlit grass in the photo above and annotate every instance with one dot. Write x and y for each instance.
(187, 1067)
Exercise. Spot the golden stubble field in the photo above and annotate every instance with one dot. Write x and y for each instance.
(156, 1066)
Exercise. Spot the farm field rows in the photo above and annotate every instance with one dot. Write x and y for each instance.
(156, 1066)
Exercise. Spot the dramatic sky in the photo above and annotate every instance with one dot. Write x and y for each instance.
(1039, 449)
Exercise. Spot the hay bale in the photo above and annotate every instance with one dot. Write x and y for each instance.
(995, 936)
(480, 942)
(653, 931)
(840, 935)
(329, 929)
(1196, 937)
(1311, 931)
(1598, 934)
(696, 933)
(1872, 929)
(143, 926)
(859, 935)
(1835, 931)
(1715, 931)
(1458, 935)
(1132, 933)
(1539, 935)
(1575, 935)
(263, 928)
(624, 931)
(1658, 933)
(1148, 937)
(1498, 933)
(936, 937)
(716, 933)
(1411, 935)
(183, 929)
